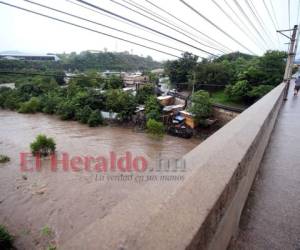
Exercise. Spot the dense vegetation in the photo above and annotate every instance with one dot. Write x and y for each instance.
(85, 61)
(245, 77)
(82, 99)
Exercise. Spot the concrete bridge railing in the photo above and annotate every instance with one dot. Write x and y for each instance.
(203, 211)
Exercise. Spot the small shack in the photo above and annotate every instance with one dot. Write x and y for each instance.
(173, 108)
(166, 100)
(189, 118)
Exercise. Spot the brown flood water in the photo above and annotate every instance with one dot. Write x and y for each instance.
(63, 203)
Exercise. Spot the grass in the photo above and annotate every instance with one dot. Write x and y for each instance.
(6, 240)
(221, 98)
(4, 158)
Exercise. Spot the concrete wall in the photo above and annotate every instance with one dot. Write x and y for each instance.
(224, 116)
(203, 211)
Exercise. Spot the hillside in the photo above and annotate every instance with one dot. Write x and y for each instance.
(85, 61)
(107, 61)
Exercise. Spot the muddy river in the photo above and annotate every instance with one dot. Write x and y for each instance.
(46, 207)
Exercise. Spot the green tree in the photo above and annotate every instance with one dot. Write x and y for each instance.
(179, 70)
(201, 105)
(120, 102)
(272, 65)
(213, 73)
(144, 92)
(259, 91)
(152, 108)
(114, 82)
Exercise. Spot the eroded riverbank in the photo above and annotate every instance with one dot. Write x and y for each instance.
(65, 202)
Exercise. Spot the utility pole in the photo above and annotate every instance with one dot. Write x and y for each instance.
(291, 57)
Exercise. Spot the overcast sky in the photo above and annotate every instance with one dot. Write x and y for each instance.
(31, 33)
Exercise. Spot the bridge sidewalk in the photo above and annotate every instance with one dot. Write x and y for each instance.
(271, 217)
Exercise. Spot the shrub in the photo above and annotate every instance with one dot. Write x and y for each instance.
(66, 110)
(155, 128)
(6, 240)
(201, 105)
(95, 118)
(31, 106)
(50, 102)
(83, 114)
(12, 100)
(4, 93)
(43, 145)
(4, 158)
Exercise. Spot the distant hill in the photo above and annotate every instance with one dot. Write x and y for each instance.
(297, 61)
(233, 56)
(100, 61)
(107, 61)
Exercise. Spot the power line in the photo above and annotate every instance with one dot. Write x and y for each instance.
(298, 11)
(244, 24)
(275, 23)
(147, 10)
(273, 10)
(253, 6)
(89, 29)
(144, 26)
(233, 21)
(249, 20)
(150, 18)
(112, 17)
(216, 26)
(289, 13)
(103, 25)
(140, 7)
(190, 26)
(253, 10)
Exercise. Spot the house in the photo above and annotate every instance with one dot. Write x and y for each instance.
(166, 100)
(158, 72)
(135, 80)
(109, 73)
